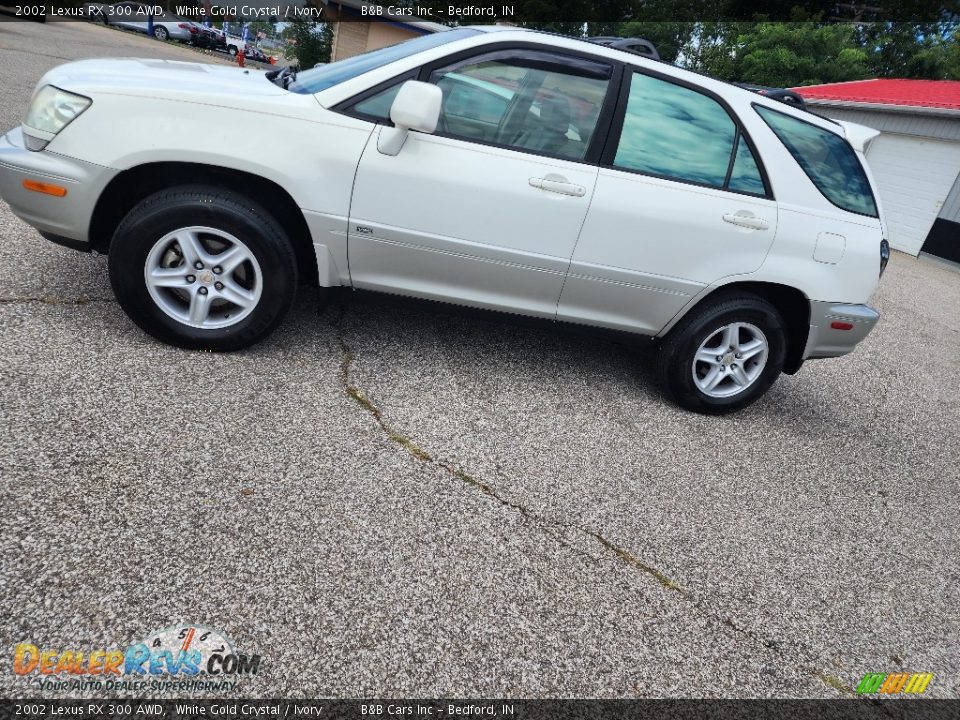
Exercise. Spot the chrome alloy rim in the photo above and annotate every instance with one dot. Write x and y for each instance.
(730, 360)
(203, 277)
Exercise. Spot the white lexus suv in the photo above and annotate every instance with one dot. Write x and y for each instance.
(491, 167)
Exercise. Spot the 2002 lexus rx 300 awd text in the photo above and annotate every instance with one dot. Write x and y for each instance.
(492, 167)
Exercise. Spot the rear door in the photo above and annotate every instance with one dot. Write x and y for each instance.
(487, 210)
(680, 202)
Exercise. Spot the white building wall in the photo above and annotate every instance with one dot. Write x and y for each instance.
(916, 163)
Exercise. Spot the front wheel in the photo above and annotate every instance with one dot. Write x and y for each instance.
(203, 268)
(724, 355)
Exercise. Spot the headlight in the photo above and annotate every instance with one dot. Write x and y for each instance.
(52, 109)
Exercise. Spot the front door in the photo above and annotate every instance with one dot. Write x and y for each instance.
(487, 210)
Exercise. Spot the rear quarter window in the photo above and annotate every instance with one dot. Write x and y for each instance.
(827, 159)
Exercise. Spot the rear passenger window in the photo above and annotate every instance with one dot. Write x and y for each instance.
(675, 132)
(827, 159)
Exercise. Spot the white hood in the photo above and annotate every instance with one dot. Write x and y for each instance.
(162, 78)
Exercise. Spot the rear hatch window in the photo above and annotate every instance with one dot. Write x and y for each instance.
(827, 159)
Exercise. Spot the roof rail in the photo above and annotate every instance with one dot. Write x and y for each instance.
(645, 48)
(790, 97)
(637, 46)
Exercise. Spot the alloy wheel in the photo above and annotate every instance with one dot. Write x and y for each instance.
(203, 277)
(730, 360)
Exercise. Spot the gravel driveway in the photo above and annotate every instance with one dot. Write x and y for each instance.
(392, 498)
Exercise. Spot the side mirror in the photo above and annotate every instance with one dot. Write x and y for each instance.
(416, 107)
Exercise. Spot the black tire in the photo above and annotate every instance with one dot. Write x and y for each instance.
(227, 211)
(160, 33)
(675, 363)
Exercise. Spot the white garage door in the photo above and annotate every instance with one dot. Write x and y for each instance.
(914, 175)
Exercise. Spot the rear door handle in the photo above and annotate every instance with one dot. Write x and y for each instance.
(558, 184)
(745, 218)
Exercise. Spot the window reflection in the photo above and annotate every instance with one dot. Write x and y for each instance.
(827, 159)
(675, 132)
(746, 175)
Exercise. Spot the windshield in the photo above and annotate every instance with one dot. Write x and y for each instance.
(326, 76)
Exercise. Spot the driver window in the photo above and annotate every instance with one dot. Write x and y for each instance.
(536, 102)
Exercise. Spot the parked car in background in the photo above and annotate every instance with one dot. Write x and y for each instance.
(136, 16)
(256, 54)
(207, 38)
(491, 167)
(232, 44)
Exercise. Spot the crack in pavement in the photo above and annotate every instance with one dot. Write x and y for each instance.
(50, 300)
(549, 525)
(421, 454)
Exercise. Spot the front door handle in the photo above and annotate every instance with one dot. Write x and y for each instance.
(745, 218)
(558, 184)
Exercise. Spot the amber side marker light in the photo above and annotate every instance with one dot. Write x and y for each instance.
(45, 188)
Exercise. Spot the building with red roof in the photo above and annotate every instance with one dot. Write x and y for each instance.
(915, 159)
(929, 97)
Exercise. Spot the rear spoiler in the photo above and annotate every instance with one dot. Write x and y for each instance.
(859, 136)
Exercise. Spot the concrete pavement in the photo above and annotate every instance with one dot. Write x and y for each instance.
(392, 498)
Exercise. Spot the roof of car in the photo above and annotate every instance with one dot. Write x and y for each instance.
(899, 93)
(498, 28)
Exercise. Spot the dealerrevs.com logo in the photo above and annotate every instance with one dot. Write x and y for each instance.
(181, 658)
(894, 683)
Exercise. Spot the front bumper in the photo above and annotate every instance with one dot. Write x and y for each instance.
(825, 341)
(65, 217)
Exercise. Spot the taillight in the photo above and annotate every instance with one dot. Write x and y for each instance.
(884, 255)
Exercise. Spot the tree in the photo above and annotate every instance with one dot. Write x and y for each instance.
(812, 41)
(914, 50)
(261, 26)
(668, 37)
(798, 53)
(952, 63)
(711, 48)
(309, 42)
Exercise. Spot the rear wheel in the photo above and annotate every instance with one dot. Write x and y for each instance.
(160, 32)
(203, 268)
(724, 355)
